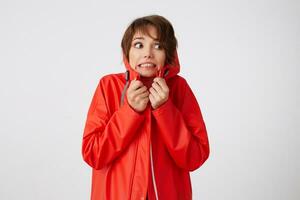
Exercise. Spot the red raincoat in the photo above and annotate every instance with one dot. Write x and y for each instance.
(150, 153)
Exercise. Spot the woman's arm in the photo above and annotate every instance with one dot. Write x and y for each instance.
(183, 130)
(105, 137)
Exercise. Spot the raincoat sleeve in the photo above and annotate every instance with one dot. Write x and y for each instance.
(105, 137)
(183, 131)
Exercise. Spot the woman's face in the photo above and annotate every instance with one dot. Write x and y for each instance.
(146, 55)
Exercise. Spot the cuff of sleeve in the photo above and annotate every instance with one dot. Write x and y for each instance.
(166, 107)
(129, 110)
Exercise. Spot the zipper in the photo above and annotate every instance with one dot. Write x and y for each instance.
(153, 175)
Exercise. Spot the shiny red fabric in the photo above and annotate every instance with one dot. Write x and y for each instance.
(116, 141)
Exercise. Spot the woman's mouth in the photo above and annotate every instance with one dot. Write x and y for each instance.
(147, 65)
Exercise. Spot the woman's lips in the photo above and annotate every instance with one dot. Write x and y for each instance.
(147, 65)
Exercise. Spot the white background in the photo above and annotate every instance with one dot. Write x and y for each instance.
(241, 59)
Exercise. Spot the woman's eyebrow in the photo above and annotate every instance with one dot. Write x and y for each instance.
(142, 38)
(136, 38)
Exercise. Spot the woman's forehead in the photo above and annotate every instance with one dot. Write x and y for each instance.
(149, 31)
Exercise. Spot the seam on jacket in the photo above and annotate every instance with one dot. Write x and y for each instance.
(133, 170)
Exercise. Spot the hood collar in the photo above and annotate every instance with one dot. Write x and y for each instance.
(169, 70)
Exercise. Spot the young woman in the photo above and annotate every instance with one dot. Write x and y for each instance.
(144, 130)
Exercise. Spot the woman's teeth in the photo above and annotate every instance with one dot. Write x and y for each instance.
(147, 65)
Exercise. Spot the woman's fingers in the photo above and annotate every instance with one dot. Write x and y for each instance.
(159, 92)
(154, 93)
(134, 85)
(139, 91)
(142, 96)
(158, 89)
(161, 83)
(137, 95)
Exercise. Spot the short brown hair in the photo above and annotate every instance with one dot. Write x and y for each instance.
(165, 34)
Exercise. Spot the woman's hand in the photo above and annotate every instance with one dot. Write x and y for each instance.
(159, 92)
(137, 95)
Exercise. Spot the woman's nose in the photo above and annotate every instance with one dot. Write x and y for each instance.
(148, 53)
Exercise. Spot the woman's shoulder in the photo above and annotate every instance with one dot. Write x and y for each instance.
(112, 78)
(177, 79)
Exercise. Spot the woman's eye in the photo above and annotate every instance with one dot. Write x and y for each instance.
(138, 45)
(157, 46)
